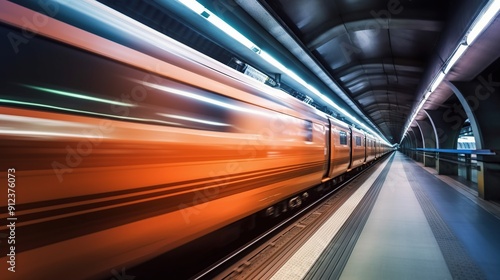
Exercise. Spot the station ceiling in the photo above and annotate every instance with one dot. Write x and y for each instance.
(376, 50)
(376, 58)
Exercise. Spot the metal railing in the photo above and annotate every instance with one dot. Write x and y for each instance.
(466, 160)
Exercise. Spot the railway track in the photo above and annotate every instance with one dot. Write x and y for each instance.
(264, 254)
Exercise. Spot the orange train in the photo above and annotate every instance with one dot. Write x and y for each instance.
(123, 150)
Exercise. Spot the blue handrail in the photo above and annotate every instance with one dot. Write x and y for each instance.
(458, 151)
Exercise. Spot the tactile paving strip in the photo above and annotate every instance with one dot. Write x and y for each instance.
(300, 263)
(332, 261)
(460, 264)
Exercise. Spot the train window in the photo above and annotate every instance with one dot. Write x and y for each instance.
(358, 141)
(309, 132)
(343, 138)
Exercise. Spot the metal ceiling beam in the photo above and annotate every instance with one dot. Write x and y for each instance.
(374, 23)
(396, 64)
(382, 76)
(380, 91)
(381, 65)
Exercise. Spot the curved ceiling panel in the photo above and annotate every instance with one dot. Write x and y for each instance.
(376, 50)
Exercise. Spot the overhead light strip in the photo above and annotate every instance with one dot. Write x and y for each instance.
(479, 25)
(233, 33)
(437, 81)
(483, 20)
(455, 57)
(219, 23)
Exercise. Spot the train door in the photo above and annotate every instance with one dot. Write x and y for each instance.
(328, 148)
(350, 147)
(339, 148)
(366, 147)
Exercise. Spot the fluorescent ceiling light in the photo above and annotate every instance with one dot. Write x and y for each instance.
(415, 113)
(219, 23)
(419, 107)
(193, 5)
(437, 81)
(484, 19)
(456, 55)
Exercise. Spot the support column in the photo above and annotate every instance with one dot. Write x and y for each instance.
(447, 130)
(429, 142)
(480, 99)
(417, 140)
(409, 146)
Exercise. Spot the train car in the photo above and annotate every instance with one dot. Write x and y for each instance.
(125, 150)
(370, 147)
(340, 149)
(358, 151)
(119, 161)
(378, 152)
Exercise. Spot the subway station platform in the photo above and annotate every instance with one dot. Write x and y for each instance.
(411, 224)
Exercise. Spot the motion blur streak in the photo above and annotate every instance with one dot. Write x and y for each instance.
(201, 98)
(75, 95)
(194, 120)
(103, 185)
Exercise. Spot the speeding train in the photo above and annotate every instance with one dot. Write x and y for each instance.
(125, 144)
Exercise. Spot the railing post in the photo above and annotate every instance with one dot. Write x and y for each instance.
(468, 167)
